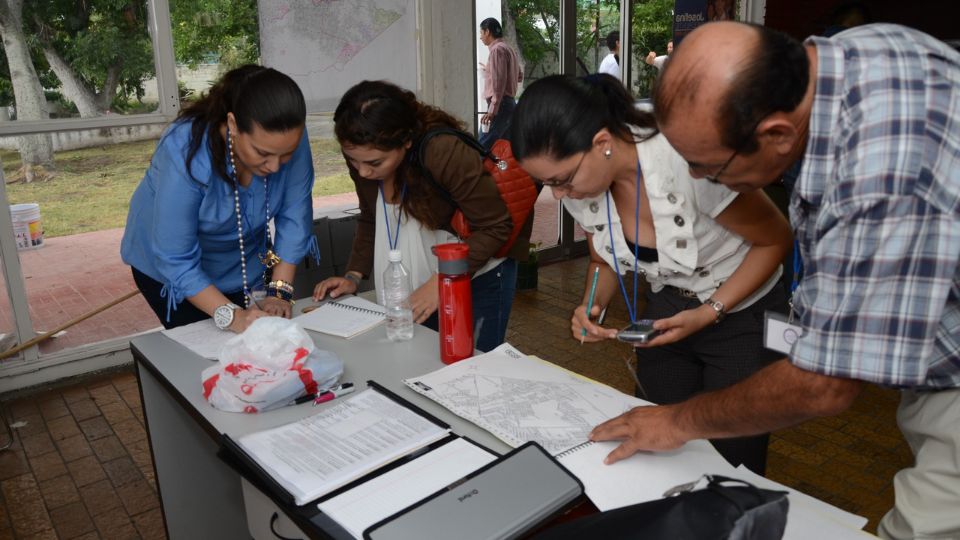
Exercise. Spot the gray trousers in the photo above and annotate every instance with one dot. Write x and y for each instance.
(928, 494)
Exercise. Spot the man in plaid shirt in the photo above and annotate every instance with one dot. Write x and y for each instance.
(872, 116)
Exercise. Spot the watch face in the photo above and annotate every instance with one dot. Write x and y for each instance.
(223, 317)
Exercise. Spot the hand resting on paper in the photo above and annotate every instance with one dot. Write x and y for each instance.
(641, 428)
(243, 318)
(276, 307)
(335, 287)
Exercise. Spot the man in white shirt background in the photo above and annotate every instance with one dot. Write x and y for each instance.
(611, 62)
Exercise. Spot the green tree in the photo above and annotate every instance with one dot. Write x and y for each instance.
(538, 33)
(225, 31)
(99, 50)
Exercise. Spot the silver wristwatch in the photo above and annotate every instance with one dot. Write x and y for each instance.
(223, 315)
(718, 307)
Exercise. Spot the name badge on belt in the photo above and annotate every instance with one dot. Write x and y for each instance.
(780, 332)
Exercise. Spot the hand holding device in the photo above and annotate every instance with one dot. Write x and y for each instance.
(641, 331)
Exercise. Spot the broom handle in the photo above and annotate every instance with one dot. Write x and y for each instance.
(66, 325)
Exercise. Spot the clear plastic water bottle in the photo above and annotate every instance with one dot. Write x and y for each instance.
(396, 298)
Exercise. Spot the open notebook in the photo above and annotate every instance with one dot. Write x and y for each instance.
(343, 318)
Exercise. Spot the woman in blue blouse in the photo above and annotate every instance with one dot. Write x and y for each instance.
(197, 237)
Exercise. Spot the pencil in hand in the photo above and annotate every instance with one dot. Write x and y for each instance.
(593, 293)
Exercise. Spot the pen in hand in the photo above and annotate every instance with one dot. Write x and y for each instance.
(593, 292)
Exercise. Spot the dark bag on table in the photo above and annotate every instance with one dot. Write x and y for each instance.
(725, 508)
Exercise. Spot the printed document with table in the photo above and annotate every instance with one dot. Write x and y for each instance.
(341, 443)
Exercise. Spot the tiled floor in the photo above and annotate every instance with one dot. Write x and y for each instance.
(80, 465)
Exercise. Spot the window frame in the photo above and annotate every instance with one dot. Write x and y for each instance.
(158, 24)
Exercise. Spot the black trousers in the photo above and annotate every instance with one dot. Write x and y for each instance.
(716, 357)
(185, 313)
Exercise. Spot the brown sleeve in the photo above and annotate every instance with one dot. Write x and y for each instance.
(459, 170)
(361, 256)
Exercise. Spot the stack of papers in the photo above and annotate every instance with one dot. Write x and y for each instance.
(202, 337)
(391, 492)
(339, 444)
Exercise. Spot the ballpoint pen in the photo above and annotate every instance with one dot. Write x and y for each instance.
(333, 393)
(310, 397)
(593, 292)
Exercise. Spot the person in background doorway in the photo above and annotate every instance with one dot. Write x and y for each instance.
(611, 62)
(657, 61)
(711, 256)
(380, 127)
(197, 239)
(501, 77)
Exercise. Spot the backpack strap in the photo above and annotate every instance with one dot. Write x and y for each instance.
(467, 139)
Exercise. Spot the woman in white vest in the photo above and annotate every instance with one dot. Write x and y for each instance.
(711, 256)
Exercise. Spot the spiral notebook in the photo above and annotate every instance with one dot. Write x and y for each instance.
(344, 318)
(642, 477)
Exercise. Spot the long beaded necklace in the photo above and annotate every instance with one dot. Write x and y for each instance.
(270, 259)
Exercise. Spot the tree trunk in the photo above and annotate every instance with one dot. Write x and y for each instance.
(28, 94)
(109, 90)
(510, 36)
(73, 87)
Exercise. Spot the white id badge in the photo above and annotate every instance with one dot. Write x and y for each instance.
(779, 334)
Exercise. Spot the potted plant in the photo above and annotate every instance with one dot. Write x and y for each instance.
(527, 270)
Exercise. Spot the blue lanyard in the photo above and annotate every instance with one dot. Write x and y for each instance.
(391, 238)
(631, 308)
(797, 268)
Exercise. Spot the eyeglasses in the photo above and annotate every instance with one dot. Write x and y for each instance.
(715, 177)
(568, 180)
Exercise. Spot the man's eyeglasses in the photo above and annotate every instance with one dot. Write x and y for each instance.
(715, 177)
(568, 180)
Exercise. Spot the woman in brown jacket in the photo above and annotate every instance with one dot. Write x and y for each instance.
(380, 128)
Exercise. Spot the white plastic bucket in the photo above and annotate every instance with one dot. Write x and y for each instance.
(26, 225)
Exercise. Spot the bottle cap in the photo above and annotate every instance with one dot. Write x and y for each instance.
(394, 255)
(451, 252)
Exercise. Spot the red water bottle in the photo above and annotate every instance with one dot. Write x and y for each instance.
(455, 311)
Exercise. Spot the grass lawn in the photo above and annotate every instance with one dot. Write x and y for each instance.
(91, 188)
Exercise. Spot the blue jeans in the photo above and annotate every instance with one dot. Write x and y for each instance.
(500, 126)
(492, 294)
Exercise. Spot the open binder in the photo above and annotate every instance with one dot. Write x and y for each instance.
(264, 457)
(506, 476)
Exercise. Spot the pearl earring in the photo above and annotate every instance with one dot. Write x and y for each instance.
(607, 153)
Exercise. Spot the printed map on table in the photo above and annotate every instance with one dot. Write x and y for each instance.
(520, 398)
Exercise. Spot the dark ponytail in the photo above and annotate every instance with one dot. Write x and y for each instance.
(255, 95)
(559, 115)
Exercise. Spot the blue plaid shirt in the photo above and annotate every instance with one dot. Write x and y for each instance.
(877, 211)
